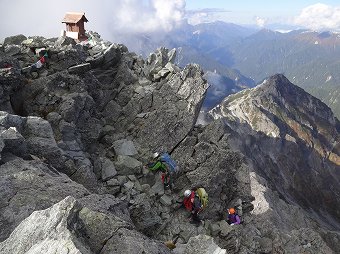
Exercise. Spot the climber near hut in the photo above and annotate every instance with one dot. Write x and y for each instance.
(166, 165)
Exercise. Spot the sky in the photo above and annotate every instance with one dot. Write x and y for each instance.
(113, 17)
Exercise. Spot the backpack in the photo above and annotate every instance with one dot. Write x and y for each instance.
(237, 210)
(203, 196)
(165, 157)
(187, 201)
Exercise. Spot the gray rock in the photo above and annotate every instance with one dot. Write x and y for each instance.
(166, 200)
(156, 61)
(108, 169)
(27, 186)
(34, 42)
(203, 244)
(161, 74)
(102, 215)
(12, 50)
(158, 187)
(172, 55)
(126, 165)
(225, 228)
(138, 186)
(13, 142)
(64, 41)
(133, 178)
(122, 179)
(2, 145)
(40, 141)
(146, 188)
(125, 147)
(125, 241)
(80, 68)
(266, 245)
(172, 67)
(36, 126)
(112, 55)
(16, 39)
(69, 221)
(174, 116)
(113, 182)
(214, 229)
(128, 185)
(47, 231)
(146, 216)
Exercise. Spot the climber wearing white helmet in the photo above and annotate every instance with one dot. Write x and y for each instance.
(193, 204)
(187, 193)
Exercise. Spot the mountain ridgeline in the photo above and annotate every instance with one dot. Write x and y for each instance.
(308, 58)
(291, 139)
(78, 131)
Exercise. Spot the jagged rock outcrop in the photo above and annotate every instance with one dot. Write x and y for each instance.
(70, 227)
(100, 127)
(46, 232)
(28, 186)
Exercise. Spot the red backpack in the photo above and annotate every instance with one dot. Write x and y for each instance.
(188, 201)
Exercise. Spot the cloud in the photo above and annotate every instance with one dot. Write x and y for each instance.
(195, 17)
(134, 16)
(107, 17)
(260, 21)
(319, 17)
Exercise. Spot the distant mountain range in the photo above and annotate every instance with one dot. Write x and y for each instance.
(308, 59)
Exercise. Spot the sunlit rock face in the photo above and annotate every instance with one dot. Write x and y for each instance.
(292, 139)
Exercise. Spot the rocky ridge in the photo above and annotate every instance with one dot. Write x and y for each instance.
(76, 133)
(83, 126)
(291, 141)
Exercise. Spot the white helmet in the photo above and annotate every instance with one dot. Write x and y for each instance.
(155, 155)
(187, 193)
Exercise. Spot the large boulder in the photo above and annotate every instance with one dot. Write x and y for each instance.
(70, 227)
(27, 186)
(47, 231)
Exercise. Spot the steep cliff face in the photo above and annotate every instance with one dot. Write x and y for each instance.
(291, 140)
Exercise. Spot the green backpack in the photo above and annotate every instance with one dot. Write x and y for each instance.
(203, 196)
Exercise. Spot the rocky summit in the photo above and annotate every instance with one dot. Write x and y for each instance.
(80, 121)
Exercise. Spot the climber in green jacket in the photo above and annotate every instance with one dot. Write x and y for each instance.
(157, 164)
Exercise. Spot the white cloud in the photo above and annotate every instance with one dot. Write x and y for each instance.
(319, 17)
(134, 16)
(170, 13)
(260, 21)
(199, 16)
(107, 17)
